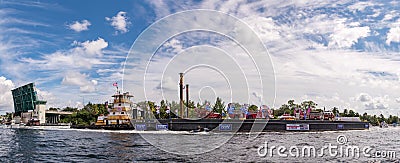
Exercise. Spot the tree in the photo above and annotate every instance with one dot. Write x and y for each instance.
(253, 108)
(308, 104)
(54, 109)
(9, 116)
(335, 110)
(219, 106)
(69, 109)
(284, 109)
(381, 118)
(344, 114)
(351, 114)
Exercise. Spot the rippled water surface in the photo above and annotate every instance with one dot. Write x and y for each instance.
(67, 145)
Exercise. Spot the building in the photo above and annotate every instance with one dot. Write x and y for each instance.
(27, 105)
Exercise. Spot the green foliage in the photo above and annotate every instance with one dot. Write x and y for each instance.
(86, 116)
(307, 104)
(69, 109)
(151, 109)
(253, 108)
(335, 110)
(219, 106)
(9, 116)
(54, 109)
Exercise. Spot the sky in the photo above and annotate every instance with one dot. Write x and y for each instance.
(336, 53)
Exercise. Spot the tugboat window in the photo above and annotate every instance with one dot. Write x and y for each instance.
(113, 113)
(122, 112)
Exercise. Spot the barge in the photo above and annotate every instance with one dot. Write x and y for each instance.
(247, 125)
(234, 125)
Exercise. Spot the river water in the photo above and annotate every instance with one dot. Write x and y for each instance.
(72, 145)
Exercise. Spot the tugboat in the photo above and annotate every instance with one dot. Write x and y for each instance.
(120, 114)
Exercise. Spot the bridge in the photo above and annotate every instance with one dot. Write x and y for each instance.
(53, 116)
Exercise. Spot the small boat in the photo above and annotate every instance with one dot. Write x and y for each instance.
(383, 125)
(200, 129)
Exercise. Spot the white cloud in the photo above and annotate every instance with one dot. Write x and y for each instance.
(78, 79)
(80, 26)
(364, 97)
(387, 17)
(168, 84)
(47, 96)
(398, 100)
(94, 82)
(393, 35)
(83, 56)
(360, 6)
(120, 22)
(173, 45)
(265, 27)
(94, 47)
(345, 37)
(6, 100)
(376, 103)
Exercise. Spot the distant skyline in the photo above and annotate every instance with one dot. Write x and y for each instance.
(336, 53)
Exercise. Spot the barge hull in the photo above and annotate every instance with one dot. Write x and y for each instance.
(236, 125)
(263, 125)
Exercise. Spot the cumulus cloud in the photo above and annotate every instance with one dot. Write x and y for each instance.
(78, 79)
(360, 6)
(393, 35)
(93, 47)
(398, 100)
(387, 17)
(83, 56)
(6, 101)
(345, 37)
(376, 103)
(120, 22)
(80, 26)
(173, 45)
(265, 27)
(364, 97)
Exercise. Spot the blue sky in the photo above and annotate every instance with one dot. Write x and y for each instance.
(337, 53)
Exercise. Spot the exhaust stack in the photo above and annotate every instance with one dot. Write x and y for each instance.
(187, 100)
(181, 95)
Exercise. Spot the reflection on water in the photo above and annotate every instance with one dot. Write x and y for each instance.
(21, 145)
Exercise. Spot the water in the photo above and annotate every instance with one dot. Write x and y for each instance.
(68, 145)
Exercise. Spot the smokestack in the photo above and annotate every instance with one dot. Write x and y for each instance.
(187, 100)
(181, 95)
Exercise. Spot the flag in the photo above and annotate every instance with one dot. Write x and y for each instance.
(115, 84)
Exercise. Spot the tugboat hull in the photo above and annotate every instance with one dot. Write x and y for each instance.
(105, 127)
